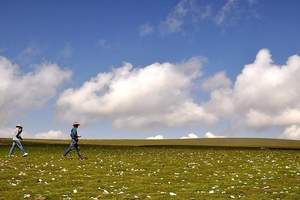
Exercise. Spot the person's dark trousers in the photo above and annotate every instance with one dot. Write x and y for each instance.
(75, 145)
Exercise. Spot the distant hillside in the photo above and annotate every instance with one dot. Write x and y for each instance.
(201, 142)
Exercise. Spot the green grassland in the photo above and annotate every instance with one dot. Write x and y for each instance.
(148, 169)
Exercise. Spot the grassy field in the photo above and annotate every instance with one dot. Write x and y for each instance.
(201, 142)
(195, 169)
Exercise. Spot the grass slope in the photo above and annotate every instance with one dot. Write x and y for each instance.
(152, 172)
(201, 142)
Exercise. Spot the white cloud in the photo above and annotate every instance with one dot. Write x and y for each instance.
(51, 134)
(264, 95)
(217, 81)
(225, 11)
(20, 91)
(211, 135)
(185, 12)
(146, 29)
(156, 137)
(9, 132)
(234, 11)
(6, 132)
(291, 132)
(175, 19)
(190, 136)
(139, 98)
(269, 91)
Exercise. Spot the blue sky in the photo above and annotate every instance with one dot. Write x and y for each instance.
(93, 37)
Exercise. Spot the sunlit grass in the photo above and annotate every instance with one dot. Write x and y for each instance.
(150, 173)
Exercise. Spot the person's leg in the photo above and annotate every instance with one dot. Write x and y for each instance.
(69, 148)
(78, 150)
(19, 144)
(12, 148)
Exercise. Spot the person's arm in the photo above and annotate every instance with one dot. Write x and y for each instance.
(77, 135)
(19, 134)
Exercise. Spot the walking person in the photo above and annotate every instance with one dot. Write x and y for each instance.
(17, 141)
(74, 141)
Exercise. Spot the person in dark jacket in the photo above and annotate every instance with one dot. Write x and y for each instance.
(74, 141)
(17, 141)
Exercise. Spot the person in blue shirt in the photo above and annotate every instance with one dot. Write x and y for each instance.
(17, 141)
(74, 141)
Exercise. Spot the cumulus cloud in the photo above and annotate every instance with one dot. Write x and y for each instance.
(156, 137)
(217, 81)
(211, 135)
(139, 98)
(264, 95)
(51, 134)
(291, 132)
(19, 91)
(269, 91)
(190, 136)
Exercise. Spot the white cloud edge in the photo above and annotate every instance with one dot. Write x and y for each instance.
(227, 100)
(117, 95)
(41, 84)
(156, 137)
(187, 12)
(51, 134)
(8, 132)
(263, 58)
(292, 132)
(190, 136)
